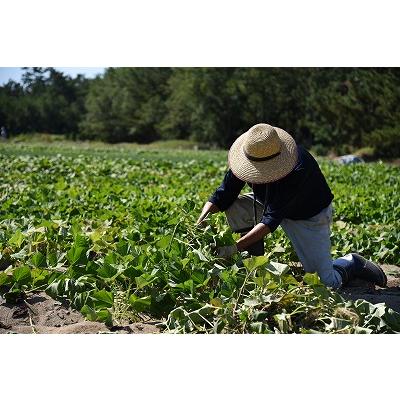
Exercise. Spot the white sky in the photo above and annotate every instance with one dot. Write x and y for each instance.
(15, 73)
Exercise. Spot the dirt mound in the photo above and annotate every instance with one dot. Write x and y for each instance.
(39, 313)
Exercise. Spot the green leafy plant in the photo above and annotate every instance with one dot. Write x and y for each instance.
(112, 233)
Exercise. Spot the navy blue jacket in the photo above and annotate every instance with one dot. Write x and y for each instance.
(301, 194)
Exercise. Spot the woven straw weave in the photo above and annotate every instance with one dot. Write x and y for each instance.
(260, 141)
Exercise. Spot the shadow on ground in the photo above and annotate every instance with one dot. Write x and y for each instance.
(390, 295)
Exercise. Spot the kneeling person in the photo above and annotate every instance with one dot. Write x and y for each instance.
(288, 189)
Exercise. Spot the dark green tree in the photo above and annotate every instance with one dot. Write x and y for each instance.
(345, 104)
(45, 101)
(324, 108)
(127, 104)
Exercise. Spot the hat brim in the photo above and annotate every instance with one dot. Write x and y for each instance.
(263, 171)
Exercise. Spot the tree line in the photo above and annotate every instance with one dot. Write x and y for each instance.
(324, 108)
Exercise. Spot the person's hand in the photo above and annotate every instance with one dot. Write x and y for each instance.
(227, 251)
(209, 208)
(201, 222)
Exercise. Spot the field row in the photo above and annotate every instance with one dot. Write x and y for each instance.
(113, 234)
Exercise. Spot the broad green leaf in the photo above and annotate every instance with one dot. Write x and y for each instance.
(278, 249)
(260, 315)
(132, 272)
(61, 184)
(322, 291)
(201, 256)
(81, 241)
(184, 262)
(52, 258)
(91, 268)
(123, 247)
(140, 304)
(311, 279)
(164, 242)
(287, 299)
(216, 302)
(103, 298)
(55, 288)
(39, 260)
(202, 315)
(77, 255)
(96, 235)
(256, 327)
(89, 313)
(107, 271)
(16, 239)
(111, 258)
(39, 276)
(253, 263)
(4, 279)
(277, 268)
(141, 282)
(22, 275)
(260, 281)
(79, 300)
(198, 277)
(188, 285)
(104, 316)
(290, 280)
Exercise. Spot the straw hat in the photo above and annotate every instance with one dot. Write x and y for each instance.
(263, 154)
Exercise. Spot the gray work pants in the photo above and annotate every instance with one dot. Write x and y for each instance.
(310, 238)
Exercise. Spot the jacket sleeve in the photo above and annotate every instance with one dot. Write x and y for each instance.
(228, 191)
(275, 210)
(272, 218)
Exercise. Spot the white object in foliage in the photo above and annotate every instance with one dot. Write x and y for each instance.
(350, 159)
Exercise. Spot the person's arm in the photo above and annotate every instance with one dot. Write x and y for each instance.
(209, 208)
(223, 197)
(256, 234)
(227, 192)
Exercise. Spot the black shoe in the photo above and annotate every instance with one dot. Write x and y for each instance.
(362, 269)
(369, 271)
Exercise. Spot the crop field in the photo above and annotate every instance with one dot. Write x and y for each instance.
(110, 232)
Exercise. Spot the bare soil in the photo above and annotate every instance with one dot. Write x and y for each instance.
(39, 313)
